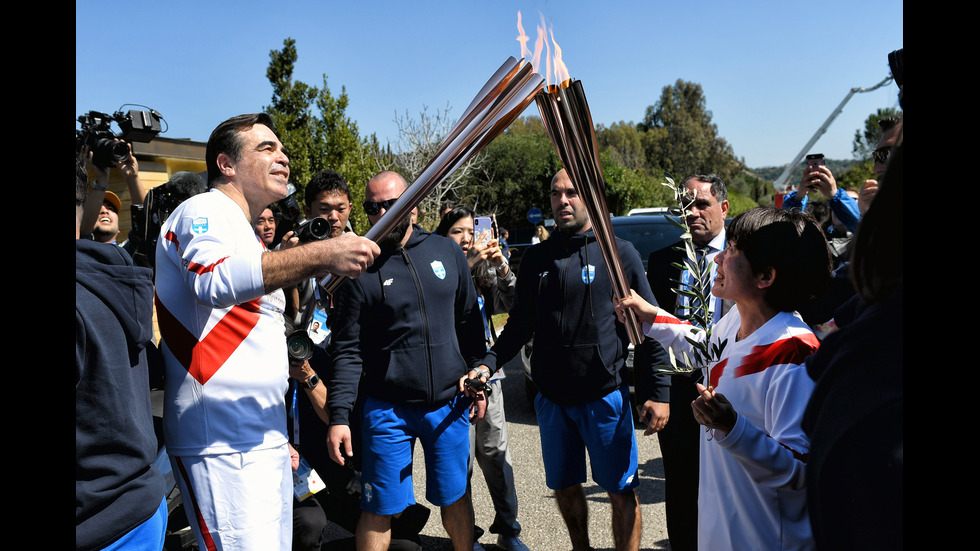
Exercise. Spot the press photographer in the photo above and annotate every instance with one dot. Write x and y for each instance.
(306, 229)
(102, 149)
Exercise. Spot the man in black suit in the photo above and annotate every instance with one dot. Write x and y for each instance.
(679, 440)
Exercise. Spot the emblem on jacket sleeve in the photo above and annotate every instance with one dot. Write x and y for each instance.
(588, 273)
(200, 225)
(438, 269)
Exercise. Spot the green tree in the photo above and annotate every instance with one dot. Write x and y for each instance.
(680, 137)
(751, 187)
(865, 142)
(866, 139)
(313, 126)
(516, 174)
(738, 203)
(856, 175)
(627, 188)
(292, 112)
(624, 143)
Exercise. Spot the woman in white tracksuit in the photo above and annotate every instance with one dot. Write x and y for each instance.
(753, 451)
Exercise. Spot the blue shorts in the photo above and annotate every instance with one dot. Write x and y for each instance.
(148, 536)
(604, 427)
(388, 433)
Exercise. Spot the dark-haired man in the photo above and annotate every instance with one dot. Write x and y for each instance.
(220, 310)
(891, 128)
(327, 196)
(679, 440)
(103, 207)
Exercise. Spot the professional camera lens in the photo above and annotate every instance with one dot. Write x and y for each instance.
(107, 152)
(314, 229)
(299, 346)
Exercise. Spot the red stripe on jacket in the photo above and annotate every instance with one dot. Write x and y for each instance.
(202, 359)
(791, 350)
(193, 266)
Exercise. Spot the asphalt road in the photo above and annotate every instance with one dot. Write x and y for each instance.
(543, 527)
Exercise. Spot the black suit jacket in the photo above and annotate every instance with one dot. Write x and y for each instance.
(662, 274)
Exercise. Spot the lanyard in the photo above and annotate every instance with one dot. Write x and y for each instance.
(294, 410)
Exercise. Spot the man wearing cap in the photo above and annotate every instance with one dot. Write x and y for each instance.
(107, 225)
(102, 207)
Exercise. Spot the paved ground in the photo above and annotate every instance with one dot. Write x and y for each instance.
(543, 528)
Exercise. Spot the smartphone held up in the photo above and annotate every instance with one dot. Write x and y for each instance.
(483, 229)
(814, 160)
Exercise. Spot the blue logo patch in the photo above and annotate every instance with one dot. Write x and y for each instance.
(438, 269)
(200, 225)
(588, 274)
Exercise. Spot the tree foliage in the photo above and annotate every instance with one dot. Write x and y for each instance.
(419, 140)
(313, 126)
(866, 139)
(752, 187)
(623, 142)
(516, 174)
(680, 137)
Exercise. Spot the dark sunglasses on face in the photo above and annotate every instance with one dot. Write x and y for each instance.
(881, 154)
(374, 207)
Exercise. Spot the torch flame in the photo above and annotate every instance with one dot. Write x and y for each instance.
(561, 71)
(522, 38)
(555, 71)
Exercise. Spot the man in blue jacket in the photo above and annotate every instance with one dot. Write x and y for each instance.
(405, 333)
(565, 301)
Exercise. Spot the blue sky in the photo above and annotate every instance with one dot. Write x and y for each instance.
(772, 71)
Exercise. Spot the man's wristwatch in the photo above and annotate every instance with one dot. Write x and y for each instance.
(312, 381)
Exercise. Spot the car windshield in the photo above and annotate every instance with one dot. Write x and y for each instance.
(646, 233)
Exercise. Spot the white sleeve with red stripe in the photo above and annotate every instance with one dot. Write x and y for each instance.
(673, 333)
(776, 458)
(204, 237)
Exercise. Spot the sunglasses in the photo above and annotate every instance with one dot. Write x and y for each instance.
(880, 155)
(374, 207)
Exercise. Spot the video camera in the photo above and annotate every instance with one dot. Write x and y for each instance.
(136, 126)
(160, 201)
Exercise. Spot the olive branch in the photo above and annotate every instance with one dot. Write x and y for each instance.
(698, 291)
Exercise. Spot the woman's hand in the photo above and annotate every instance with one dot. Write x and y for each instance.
(645, 312)
(713, 410)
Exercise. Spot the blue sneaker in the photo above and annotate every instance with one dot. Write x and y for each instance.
(511, 543)
(477, 546)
